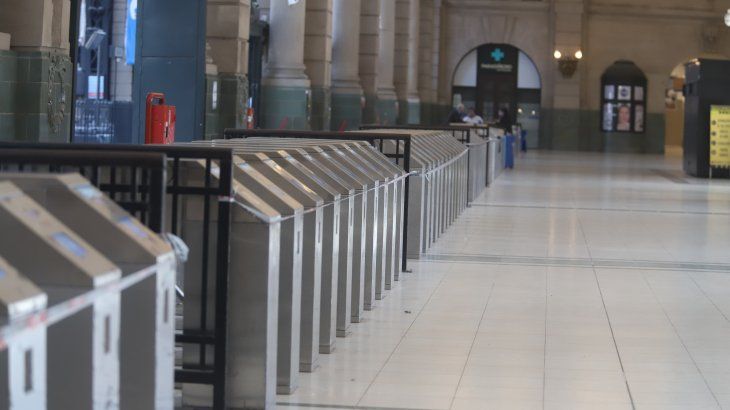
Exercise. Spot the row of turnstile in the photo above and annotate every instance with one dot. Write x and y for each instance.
(86, 300)
(317, 229)
(317, 236)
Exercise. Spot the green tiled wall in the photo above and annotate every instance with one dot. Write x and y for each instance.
(579, 130)
(25, 94)
(346, 111)
(409, 112)
(386, 111)
(231, 106)
(321, 108)
(280, 103)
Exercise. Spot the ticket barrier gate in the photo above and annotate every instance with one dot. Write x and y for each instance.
(372, 218)
(23, 358)
(309, 287)
(377, 186)
(439, 190)
(334, 240)
(147, 322)
(258, 238)
(66, 267)
(495, 163)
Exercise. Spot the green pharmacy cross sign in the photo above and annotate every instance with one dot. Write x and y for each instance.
(497, 54)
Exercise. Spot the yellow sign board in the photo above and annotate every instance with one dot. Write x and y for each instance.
(720, 136)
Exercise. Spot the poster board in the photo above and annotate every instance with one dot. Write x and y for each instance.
(720, 136)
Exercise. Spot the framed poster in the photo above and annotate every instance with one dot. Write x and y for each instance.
(623, 117)
(639, 118)
(607, 117)
(609, 92)
(624, 92)
(638, 93)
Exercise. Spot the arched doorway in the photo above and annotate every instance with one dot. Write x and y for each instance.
(494, 76)
(674, 111)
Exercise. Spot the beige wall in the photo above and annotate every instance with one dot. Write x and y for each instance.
(655, 34)
(468, 24)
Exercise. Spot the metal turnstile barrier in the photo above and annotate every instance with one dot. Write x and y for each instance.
(439, 190)
(147, 315)
(66, 267)
(131, 176)
(23, 361)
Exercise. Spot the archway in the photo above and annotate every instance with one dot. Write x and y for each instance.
(493, 76)
(674, 111)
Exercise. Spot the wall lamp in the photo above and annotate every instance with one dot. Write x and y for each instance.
(567, 65)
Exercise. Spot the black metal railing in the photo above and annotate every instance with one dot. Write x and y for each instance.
(402, 157)
(463, 133)
(105, 165)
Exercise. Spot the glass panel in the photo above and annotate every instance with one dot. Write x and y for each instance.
(609, 92)
(639, 118)
(623, 117)
(624, 92)
(638, 93)
(608, 117)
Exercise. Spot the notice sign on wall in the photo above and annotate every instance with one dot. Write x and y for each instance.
(720, 136)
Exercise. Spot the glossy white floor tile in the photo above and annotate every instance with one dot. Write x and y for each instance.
(577, 281)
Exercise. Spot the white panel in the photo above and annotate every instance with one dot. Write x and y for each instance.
(527, 74)
(466, 71)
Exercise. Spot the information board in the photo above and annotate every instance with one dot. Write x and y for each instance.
(720, 136)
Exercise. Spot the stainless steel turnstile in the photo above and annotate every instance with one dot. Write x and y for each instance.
(23, 358)
(290, 269)
(83, 349)
(253, 305)
(147, 316)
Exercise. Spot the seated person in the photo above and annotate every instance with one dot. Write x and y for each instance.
(473, 118)
(456, 115)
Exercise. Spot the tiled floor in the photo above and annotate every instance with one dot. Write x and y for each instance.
(578, 281)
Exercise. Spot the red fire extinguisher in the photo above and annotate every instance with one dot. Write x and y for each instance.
(249, 118)
(160, 120)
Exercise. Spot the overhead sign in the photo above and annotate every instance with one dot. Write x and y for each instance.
(720, 136)
(498, 60)
(130, 35)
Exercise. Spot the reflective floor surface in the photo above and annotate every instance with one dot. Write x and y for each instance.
(577, 281)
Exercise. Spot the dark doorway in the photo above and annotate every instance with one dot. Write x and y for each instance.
(496, 79)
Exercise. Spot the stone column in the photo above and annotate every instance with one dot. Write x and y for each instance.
(318, 60)
(425, 62)
(369, 35)
(286, 96)
(38, 68)
(347, 93)
(228, 23)
(406, 60)
(386, 106)
(442, 104)
(565, 114)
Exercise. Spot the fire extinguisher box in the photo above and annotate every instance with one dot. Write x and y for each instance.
(160, 120)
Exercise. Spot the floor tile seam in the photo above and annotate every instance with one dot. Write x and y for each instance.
(613, 338)
(701, 289)
(403, 336)
(578, 262)
(341, 406)
(681, 340)
(608, 318)
(575, 208)
(473, 342)
(545, 343)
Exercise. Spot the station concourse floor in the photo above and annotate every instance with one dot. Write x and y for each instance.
(577, 281)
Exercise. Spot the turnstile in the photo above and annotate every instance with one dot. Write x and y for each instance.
(147, 315)
(83, 349)
(256, 237)
(23, 358)
(309, 325)
(290, 270)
